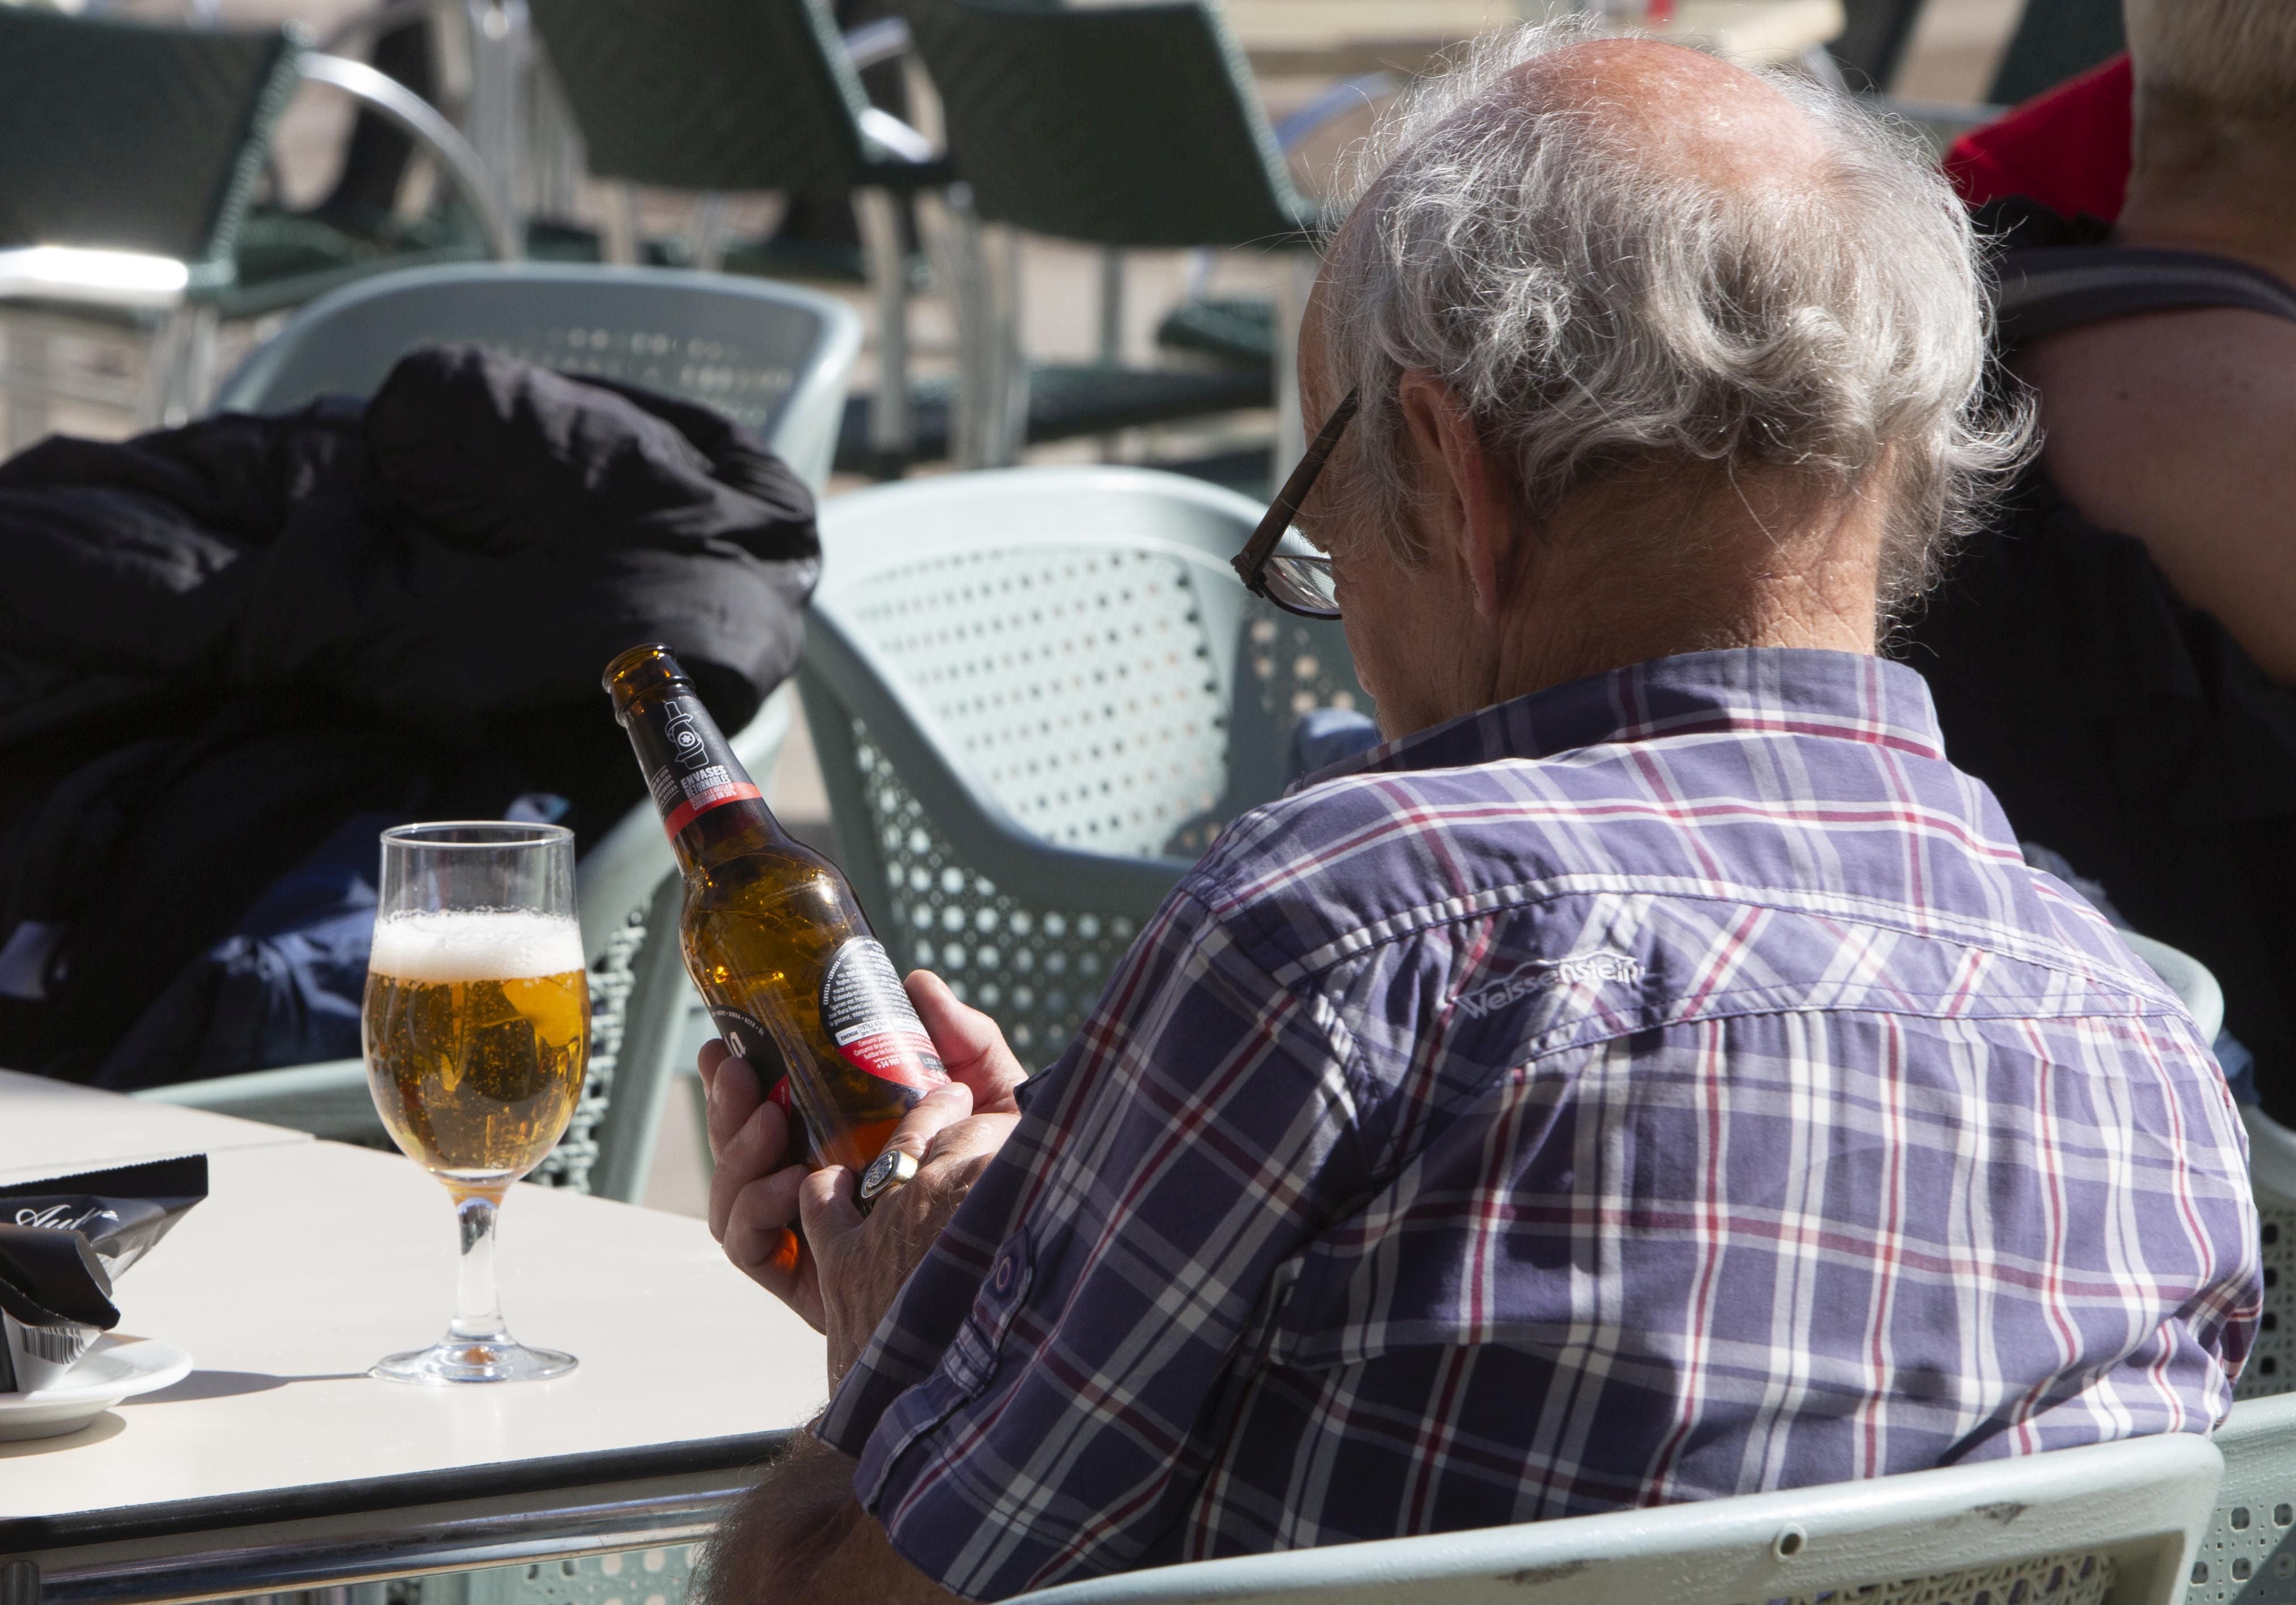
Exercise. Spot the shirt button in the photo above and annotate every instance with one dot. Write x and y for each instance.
(1003, 1280)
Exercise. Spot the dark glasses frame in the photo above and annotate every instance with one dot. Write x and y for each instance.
(1298, 582)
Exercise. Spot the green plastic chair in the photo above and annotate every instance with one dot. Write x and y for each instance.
(2110, 1524)
(712, 96)
(1125, 126)
(769, 355)
(2249, 1554)
(149, 206)
(1036, 695)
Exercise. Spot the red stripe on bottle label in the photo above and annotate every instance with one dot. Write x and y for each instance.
(867, 1012)
(693, 808)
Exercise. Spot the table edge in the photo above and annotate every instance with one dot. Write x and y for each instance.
(29, 1536)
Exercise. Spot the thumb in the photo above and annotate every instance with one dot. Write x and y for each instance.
(971, 1045)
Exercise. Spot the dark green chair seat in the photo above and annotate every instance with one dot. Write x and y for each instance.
(1072, 403)
(719, 96)
(286, 259)
(1125, 126)
(1234, 331)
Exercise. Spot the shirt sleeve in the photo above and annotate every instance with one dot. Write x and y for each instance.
(1043, 1401)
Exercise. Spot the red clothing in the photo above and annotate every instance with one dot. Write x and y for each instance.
(2066, 149)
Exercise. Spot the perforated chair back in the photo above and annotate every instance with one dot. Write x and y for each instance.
(1038, 694)
(1133, 125)
(2249, 1554)
(768, 355)
(2110, 1524)
(133, 137)
(708, 94)
(2272, 1175)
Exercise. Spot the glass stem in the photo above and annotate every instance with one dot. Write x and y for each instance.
(478, 1306)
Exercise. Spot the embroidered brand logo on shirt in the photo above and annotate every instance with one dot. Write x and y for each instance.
(1580, 969)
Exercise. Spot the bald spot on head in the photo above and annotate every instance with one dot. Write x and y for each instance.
(1687, 114)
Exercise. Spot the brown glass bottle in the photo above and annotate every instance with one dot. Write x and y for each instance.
(774, 938)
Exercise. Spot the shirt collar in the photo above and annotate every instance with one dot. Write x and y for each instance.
(1791, 691)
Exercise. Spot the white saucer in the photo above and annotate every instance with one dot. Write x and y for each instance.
(113, 1370)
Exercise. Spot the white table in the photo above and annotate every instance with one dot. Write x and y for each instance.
(278, 1464)
(50, 1128)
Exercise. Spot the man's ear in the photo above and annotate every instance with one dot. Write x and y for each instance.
(1465, 489)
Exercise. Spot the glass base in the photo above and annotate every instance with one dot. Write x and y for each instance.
(473, 1360)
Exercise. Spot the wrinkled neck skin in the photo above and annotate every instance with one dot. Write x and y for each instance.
(1618, 576)
(2204, 180)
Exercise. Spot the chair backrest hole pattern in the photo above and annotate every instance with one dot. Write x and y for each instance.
(2272, 1363)
(1077, 684)
(1036, 970)
(2075, 1579)
(714, 372)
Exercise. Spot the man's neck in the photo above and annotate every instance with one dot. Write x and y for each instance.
(2202, 181)
(1647, 587)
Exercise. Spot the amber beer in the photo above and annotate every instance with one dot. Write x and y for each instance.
(475, 1039)
(774, 938)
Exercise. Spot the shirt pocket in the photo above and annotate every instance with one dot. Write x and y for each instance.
(970, 1358)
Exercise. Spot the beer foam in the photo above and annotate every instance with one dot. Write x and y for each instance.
(476, 947)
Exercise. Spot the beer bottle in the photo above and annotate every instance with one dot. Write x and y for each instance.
(774, 938)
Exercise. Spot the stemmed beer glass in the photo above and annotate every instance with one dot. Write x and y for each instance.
(476, 1030)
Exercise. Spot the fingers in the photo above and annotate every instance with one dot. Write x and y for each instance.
(941, 1108)
(971, 1045)
(758, 1149)
(758, 1240)
(829, 1204)
(714, 1052)
(733, 1097)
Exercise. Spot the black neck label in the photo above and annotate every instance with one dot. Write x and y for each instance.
(688, 766)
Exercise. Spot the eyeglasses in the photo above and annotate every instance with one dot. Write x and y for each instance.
(1299, 582)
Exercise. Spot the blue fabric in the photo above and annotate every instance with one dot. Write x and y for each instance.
(285, 988)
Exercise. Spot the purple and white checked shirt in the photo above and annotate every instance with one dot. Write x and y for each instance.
(1670, 1084)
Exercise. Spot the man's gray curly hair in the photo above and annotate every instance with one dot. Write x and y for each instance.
(1594, 316)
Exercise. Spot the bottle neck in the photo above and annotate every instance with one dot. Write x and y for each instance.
(709, 807)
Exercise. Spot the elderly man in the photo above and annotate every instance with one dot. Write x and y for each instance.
(1652, 1075)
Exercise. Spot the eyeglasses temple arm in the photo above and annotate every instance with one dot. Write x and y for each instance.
(1253, 558)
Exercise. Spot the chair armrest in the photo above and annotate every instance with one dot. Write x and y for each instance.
(873, 43)
(1351, 96)
(328, 1100)
(419, 120)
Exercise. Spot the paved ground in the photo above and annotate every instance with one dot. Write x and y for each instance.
(1952, 58)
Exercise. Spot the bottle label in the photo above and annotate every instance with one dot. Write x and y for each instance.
(692, 769)
(749, 1041)
(865, 1012)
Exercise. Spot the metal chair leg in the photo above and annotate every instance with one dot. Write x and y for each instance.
(618, 243)
(29, 379)
(892, 423)
(1008, 415)
(1295, 281)
(960, 251)
(707, 240)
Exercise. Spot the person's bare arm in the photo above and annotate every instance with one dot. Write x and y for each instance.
(2179, 428)
(799, 1537)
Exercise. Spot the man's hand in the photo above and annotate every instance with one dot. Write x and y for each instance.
(757, 1196)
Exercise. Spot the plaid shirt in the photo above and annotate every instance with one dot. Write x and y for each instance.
(1670, 1084)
